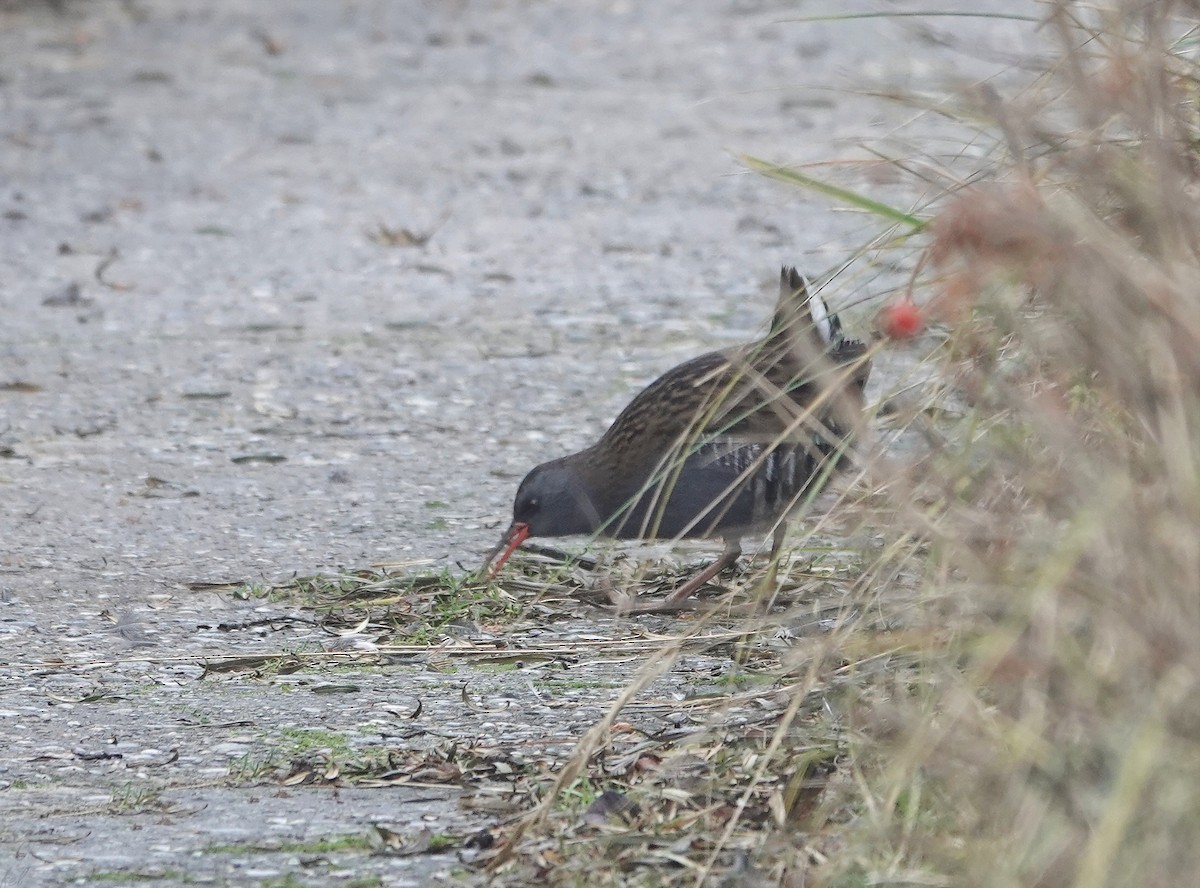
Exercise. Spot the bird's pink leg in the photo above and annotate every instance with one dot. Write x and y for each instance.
(733, 550)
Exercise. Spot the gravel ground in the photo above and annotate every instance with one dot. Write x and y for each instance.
(305, 287)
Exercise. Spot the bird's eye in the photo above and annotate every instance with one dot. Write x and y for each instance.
(532, 504)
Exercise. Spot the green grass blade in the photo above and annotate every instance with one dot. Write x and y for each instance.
(845, 195)
(851, 16)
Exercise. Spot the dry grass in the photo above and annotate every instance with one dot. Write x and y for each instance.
(1009, 687)
(1053, 740)
(998, 688)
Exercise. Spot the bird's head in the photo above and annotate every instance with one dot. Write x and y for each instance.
(552, 501)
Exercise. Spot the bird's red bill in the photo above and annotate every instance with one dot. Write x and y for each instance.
(515, 535)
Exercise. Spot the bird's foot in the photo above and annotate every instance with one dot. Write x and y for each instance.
(627, 605)
(681, 598)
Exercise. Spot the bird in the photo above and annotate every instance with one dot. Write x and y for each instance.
(722, 446)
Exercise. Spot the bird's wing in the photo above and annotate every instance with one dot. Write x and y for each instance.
(733, 395)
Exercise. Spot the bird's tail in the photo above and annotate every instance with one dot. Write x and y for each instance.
(801, 308)
(803, 324)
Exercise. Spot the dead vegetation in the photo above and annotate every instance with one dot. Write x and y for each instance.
(996, 688)
(1018, 708)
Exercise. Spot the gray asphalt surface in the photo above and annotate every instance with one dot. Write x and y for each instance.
(223, 357)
